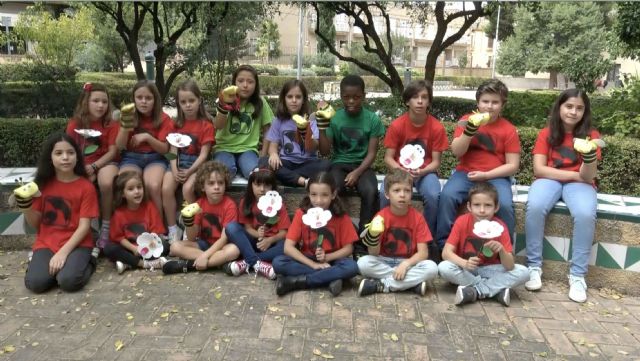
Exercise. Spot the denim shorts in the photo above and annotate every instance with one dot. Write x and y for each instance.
(142, 160)
(186, 161)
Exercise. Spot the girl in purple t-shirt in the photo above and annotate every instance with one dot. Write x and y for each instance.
(293, 148)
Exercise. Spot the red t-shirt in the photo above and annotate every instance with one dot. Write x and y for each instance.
(563, 157)
(107, 138)
(200, 131)
(468, 244)
(489, 145)
(338, 233)
(214, 217)
(403, 233)
(146, 126)
(257, 219)
(431, 136)
(61, 206)
(129, 224)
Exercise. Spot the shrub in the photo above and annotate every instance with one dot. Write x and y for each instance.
(294, 73)
(320, 71)
(266, 69)
(21, 139)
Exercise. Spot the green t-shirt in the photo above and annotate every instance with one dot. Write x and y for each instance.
(351, 135)
(242, 133)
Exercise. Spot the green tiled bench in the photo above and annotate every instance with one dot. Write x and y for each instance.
(616, 247)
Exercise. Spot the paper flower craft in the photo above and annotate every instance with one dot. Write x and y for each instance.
(270, 203)
(412, 156)
(179, 140)
(316, 217)
(587, 145)
(149, 245)
(487, 229)
(88, 133)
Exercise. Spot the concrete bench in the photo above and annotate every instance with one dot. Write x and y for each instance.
(615, 255)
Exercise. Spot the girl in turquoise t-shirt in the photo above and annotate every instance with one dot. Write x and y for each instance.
(242, 116)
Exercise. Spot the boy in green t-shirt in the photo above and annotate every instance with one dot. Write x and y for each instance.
(353, 133)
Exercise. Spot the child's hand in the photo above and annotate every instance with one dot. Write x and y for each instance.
(320, 255)
(320, 265)
(477, 176)
(24, 195)
(324, 114)
(494, 245)
(138, 139)
(472, 264)
(89, 169)
(201, 262)
(228, 100)
(181, 176)
(261, 230)
(264, 244)
(57, 262)
(351, 180)
(274, 161)
(401, 271)
(126, 116)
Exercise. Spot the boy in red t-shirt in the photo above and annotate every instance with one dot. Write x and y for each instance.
(480, 260)
(488, 152)
(397, 257)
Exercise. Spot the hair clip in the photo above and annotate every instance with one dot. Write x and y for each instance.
(257, 170)
(87, 87)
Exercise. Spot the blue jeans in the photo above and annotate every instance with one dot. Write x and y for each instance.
(367, 188)
(186, 161)
(247, 245)
(247, 161)
(429, 188)
(289, 173)
(456, 191)
(581, 199)
(488, 280)
(142, 160)
(343, 268)
(73, 276)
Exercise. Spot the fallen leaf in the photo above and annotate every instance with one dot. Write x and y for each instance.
(8, 348)
(279, 349)
(418, 324)
(129, 316)
(337, 304)
(293, 315)
(394, 337)
(324, 330)
(337, 345)
(164, 315)
(593, 354)
(327, 356)
(623, 352)
(218, 295)
(119, 345)
(132, 333)
(34, 344)
(226, 313)
(273, 308)
(505, 343)
(581, 342)
(542, 354)
(317, 352)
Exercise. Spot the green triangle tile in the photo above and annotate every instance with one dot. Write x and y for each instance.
(6, 219)
(520, 244)
(550, 253)
(605, 260)
(633, 256)
(570, 249)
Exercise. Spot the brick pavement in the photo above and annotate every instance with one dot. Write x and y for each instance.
(215, 317)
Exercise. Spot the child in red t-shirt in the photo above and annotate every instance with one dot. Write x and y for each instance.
(258, 237)
(61, 214)
(206, 245)
(487, 153)
(93, 113)
(483, 266)
(563, 172)
(133, 216)
(420, 129)
(145, 144)
(397, 257)
(322, 256)
(192, 121)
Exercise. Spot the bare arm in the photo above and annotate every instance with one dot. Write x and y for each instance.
(512, 163)
(589, 171)
(220, 121)
(325, 143)
(291, 251)
(202, 157)
(33, 217)
(370, 157)
(343, 252)
(421, 255)
(107, 157)
(77, 237)
(460, 145)
(540, 169)
(122, 138)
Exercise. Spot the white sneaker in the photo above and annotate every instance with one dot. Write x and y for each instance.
(264, 269)
(155, 264)
(121, 267)
(535, 282)
(577, 289)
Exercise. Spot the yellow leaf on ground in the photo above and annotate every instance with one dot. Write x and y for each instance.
(418, 324)
(218, 295)
(279, 349)
(164, 314)
(8, 348)
(394, 337)
(505, 343)
(317, 352)
(623, 352)
(119, 345)
(327, 356)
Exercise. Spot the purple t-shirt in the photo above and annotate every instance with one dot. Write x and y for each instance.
(283, 132)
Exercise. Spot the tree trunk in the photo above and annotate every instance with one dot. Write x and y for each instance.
(431, 63)
(553, 79)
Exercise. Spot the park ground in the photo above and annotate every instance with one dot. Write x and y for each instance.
(143, 315)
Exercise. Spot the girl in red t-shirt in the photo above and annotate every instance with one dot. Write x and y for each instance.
(194, 122)
(143, 146)
(564, 173)
(93, 113)
(305, 264)
(61, 214)
(258, 238)
(133, 216)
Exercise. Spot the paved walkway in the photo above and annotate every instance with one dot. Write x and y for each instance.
(144, 315)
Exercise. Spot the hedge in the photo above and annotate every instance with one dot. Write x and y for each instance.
(20, 141)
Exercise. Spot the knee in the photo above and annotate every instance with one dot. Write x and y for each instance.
(365, 262)
(71, 283)
(106, 187)
(233, 228)
(429, 267)
(279, 263)
(448, 269)
(584, 215)
(37, 284)
(153, 186)
(521, 273)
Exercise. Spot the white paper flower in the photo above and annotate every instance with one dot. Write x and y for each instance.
(179, 140)
(88, 133)
(149, 245)
(316, 217)
(487, 229)
(270, 203)
(412, 156)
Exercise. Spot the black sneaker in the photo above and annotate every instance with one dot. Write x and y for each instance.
(335, 287)
(176, 266)
(466, 294)
(226, 268)
(420, 288)
(504, 297)
(369, 286)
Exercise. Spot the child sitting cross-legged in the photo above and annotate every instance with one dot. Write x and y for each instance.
(477, 255)
(397, 243)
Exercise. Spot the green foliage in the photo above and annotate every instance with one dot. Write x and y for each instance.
(507, 13)
(627, 28)
(268, 44)
(558, 37)
(326, 26)
(55, 41)
(320, 71)
(21, 139)
(620, 114)
(463, 60)
(266, 69)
